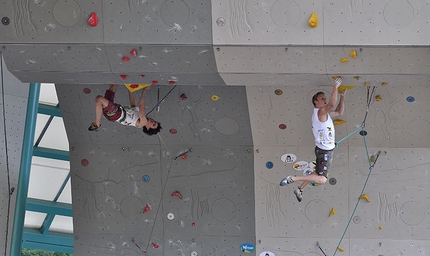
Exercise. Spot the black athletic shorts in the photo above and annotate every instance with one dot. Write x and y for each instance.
(323, 162)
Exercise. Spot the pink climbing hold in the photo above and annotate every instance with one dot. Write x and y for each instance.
(93, 20)
(133, 52)
(125, 58)
(146, 209)
(176, 193)
(84, 162)
(155, 245)
(183, 96)
(124, 77)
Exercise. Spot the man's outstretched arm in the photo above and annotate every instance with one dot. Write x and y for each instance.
(141, 106)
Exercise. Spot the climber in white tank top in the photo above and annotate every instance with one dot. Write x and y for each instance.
(323, 130)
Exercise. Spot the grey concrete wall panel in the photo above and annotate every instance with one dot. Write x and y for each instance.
(50, 22)
(157, 22)
(270, 22)
(388, 22)
(13, 106)
(105, 64)
(274, 22)
(117, 172)
(395, 121)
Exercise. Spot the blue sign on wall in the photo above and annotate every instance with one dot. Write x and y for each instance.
(248, 248)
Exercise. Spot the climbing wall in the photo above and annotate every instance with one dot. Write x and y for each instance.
(138, 193)
(397, 187)
(13, 106)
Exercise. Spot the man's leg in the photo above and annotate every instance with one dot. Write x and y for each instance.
(102, 102)
(132, 99)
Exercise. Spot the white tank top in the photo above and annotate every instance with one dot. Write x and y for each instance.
(131, 116)
(323, 132)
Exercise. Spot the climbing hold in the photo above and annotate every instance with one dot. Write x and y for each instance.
(364, 196)
(170, 216)
(87, 90)
(410, 99)
(282, 126)
(344, 60)
(356, 78)
(176, 193)
(154, 82)
(124, 77)
(133, 52)
(372, 159)
(214, 97)
(269, 165)
(313, 20)
(136, 87)
(184, 156)
(340, 249)
(384, 84)
(366, 83)
(5, 21)
(378, 98)
(183, 96)
(353, 54)
(278, 92)
(84, 162)
(147, 208)
(363, 133)
(380, 227)
(173, 131)
(146, 178)
(155, 245)
(193, 224)
(338, 122)
(125, 58)
(171, 82)
(345, 87)
(332, 212)
(142, 76)
(93, 20)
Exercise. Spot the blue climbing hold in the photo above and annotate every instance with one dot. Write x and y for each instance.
(410, 99)
(146, 178)
(269, 165)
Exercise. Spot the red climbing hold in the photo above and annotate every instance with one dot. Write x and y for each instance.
(282, 126)
(176, 193)
(193, 224)
(142, 76)
(154, 82)
(155, 245)
(146, 209)
(171, 82)
(133, 53)
(93, 20)
(125, 58)
(84, 162)
(87, 90)
(184, 156)
(183, 96)
(134, 86)
(124, 77)
(173, 131)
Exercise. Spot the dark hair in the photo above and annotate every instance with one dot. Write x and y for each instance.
(152, 131)
(314, 98)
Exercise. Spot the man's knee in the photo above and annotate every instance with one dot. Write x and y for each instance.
(99, 99)
(322, 179)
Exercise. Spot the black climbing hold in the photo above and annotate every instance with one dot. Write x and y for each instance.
(332, 181)
(363, 133)
(5, 21)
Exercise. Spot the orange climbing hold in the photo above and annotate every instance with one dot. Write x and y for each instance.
(338, 122)
(313, 20)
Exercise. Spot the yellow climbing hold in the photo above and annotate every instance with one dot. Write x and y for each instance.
(378, 98)
(214, 98)
(357, 78)
(353, 54)
(366, 83)
(364, 196)
(380, 227)
(278, 92)
(372, 159)
(384, 84)
(345, 87)
(344, 60)
(338, 122)
(313, 20)
(136, 87)
(332, 212)
(340, 249)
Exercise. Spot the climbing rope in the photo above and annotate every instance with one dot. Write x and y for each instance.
(160, 101)
(371, 165)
